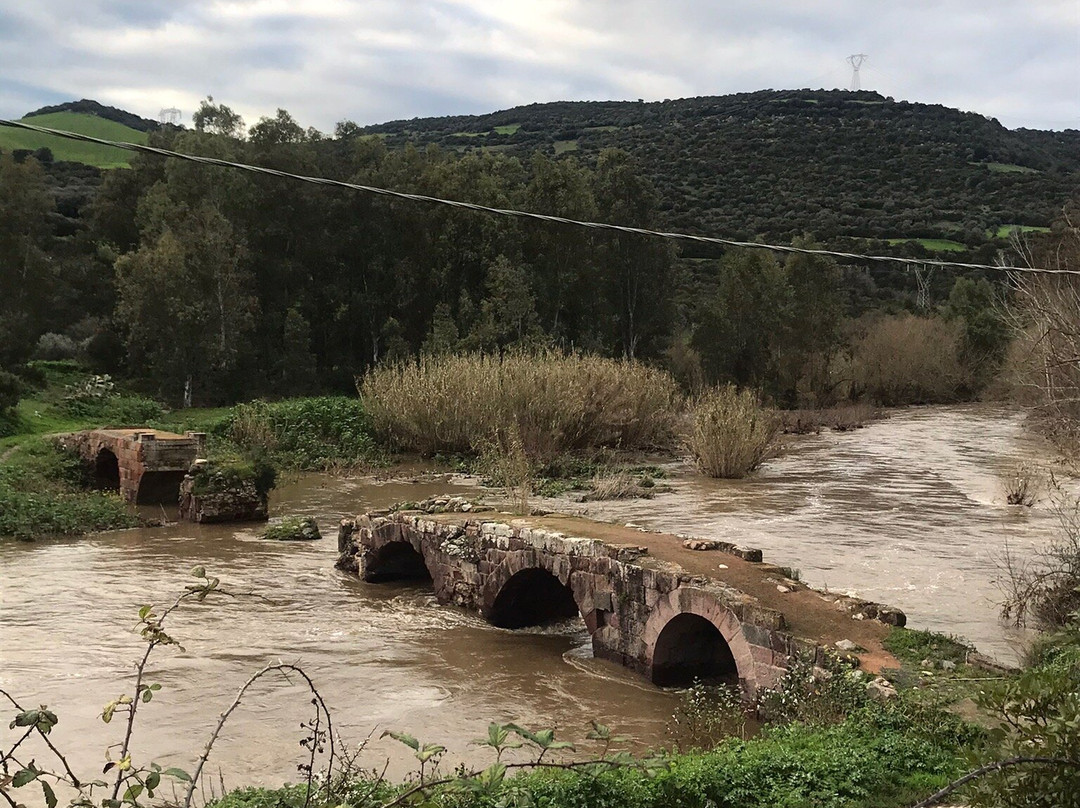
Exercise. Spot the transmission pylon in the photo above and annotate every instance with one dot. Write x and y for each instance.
(856, 60)
(923, 274)
(169, 115)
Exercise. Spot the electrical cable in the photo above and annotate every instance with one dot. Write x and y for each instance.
(522, 214)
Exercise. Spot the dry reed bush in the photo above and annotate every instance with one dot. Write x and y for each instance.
(502, 459)
(1042, 366)
(1044, 587)
(558, 405)
(1023, 484)
(904, 359)
(731, 432)
(618, 485)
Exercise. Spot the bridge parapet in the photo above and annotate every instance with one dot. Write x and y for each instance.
(646, 613)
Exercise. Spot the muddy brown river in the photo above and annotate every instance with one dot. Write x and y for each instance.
(909, 511)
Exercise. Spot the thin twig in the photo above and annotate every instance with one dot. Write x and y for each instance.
(934, 799)
(48, 742)
(270, 668)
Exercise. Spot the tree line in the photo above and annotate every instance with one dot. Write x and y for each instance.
(210, 285)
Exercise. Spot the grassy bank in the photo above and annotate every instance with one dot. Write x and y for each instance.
(44, 491)
(879, 757)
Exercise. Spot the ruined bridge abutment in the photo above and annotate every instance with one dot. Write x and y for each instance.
(644, 613)
(146, 466)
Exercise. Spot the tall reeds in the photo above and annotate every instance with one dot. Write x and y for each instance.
(555, 404)
(731, 433)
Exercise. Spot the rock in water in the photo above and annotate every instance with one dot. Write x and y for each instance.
(293, 528)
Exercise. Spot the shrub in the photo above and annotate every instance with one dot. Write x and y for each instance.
(732, 433)
(1046, 586)
(304, 433)
(1022, 484)
(1038, 714)
(10, 391)
(225, 476)
(52, 346)
(557, 404)
(813, 695)
(905, 359)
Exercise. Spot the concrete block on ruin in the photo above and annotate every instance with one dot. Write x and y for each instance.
(702, 544)
(746, 553)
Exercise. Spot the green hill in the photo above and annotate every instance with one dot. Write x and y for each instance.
(836, 164)
(74, 150)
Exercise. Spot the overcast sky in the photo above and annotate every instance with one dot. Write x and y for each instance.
(378, 60)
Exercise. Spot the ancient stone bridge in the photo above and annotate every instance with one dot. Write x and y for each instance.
(145, 465)
(647, 613)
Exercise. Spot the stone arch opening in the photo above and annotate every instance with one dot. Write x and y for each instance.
(159, 487)
(691, 648)
(532, 597)
(396, 561)
(106, 471)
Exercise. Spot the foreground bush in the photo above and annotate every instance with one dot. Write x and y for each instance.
(304, 433)
(877, 758)
(555, 404)
(732, 433)
(908, 360)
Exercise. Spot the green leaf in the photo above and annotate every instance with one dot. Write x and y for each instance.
(403, 737)
(178, 774)
(199, 572)
(133, 792)
(50, 795)
(24, 776)
(428, 751)
(26, 718)
(152, 781)
(145, 611)
(147, 695)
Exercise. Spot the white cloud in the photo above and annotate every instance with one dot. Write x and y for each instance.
(325, 60)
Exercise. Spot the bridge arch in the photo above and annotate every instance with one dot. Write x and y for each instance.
(690, 634)
(532, 596)
(106, 470)
(396, 561)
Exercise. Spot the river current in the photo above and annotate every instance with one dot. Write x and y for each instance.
(908, 511)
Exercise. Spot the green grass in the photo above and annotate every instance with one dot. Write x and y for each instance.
(934, 244)
(562, 146)
(602, 128)
(508, 129)
(470, 134)
(73, 150)
(914, 646)
(878, 758)
(1005, 230)
(43, 493)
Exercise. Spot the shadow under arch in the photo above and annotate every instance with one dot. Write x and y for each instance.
(396, 561)
(690, 648)
(532, 597)
(106, 471)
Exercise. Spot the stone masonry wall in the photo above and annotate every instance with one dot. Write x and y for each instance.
(625, 596)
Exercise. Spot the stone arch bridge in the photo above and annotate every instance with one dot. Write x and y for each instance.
(145, 465)
(643, 612)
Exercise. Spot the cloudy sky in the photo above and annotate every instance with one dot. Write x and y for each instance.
(377, 60)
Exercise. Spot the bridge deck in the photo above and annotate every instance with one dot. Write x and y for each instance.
(807, 612)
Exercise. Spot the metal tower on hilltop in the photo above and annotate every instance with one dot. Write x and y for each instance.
(856, 60)
(169, 115)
